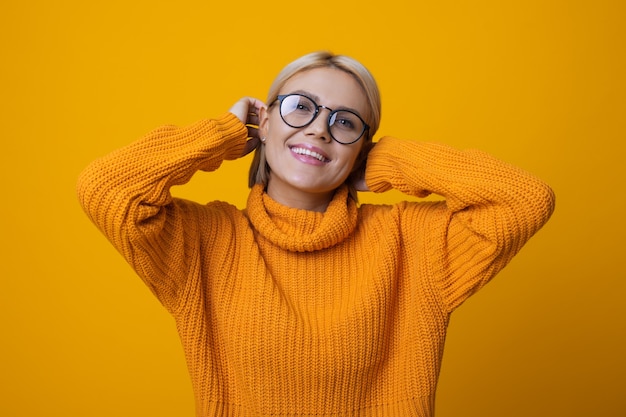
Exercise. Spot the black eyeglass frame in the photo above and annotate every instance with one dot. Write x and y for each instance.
(281, 97)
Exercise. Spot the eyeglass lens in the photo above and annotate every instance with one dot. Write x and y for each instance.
(298, 111)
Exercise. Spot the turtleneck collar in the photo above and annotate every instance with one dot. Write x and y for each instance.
(302, 230)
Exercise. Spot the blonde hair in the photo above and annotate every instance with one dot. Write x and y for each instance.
(259, 169)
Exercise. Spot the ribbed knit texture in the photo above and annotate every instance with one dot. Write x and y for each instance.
(286, 312)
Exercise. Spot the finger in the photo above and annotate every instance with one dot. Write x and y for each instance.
(254, 105)
(245, 107)
(257, 105)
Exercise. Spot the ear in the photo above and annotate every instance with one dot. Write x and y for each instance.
(264, 122)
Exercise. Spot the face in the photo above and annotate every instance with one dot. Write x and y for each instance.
(306, 162)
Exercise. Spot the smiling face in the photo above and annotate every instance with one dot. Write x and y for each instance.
(306, 164)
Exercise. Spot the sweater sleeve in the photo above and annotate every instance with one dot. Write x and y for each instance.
(491, 209)
(127, 195)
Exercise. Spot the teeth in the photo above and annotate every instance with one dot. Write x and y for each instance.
(315, 155)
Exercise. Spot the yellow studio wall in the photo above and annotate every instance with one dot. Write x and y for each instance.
(537, 83)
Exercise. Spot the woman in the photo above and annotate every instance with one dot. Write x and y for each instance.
(306, 303)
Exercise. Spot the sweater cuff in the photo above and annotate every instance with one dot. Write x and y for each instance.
(378, 169)
(224, 136)
(233, 133)
(385, 164)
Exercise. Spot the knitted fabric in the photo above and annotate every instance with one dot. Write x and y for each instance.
(288, 312)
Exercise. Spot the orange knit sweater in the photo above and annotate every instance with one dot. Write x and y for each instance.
(285, 312)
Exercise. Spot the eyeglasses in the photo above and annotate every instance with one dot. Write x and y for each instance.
(298, 110)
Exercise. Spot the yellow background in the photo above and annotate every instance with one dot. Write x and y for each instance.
(538, 83)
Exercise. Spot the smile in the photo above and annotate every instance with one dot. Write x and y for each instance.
(308, 152)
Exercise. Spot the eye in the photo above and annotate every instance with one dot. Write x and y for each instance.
(348, 121)
(305, 105)
(297, 106)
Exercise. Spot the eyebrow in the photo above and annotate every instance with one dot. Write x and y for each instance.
(316, 99)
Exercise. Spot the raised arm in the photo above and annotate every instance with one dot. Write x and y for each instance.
(127, 195)
(491, 208)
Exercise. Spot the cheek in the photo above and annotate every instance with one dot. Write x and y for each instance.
(354, 158)
(348, 164)
(274, 124)
(271, 151)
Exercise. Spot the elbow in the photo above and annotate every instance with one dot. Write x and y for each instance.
(90, 186)
(533, 207)
(83, 187)
(545, 202)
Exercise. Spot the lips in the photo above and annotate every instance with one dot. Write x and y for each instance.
(313, 153)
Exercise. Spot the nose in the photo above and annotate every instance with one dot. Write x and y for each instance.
(319, 126)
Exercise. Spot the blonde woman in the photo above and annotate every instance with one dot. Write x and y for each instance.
(306, 303)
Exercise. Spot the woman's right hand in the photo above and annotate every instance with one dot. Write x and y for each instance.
(247, 110)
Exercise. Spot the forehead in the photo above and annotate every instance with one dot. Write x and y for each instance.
(331, 86)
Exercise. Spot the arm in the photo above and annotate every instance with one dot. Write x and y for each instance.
(127, 195)
(491, 208)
